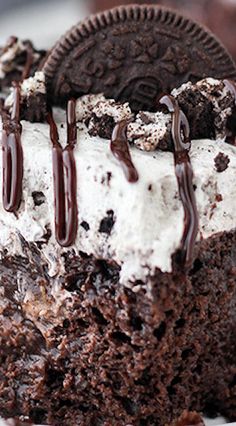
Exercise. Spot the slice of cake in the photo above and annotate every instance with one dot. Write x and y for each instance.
(118, 247)
(110, 330)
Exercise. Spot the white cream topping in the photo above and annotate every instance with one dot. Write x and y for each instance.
(99, 105)
(147, 136)
(148, 215)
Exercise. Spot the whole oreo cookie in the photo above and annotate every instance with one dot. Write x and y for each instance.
(133, 54)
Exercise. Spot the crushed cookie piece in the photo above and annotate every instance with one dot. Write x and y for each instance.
(85, 225)
(107, 223)
(101, 126)
(221, 162)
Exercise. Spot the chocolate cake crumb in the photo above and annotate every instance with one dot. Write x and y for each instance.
(221, 162)
(107, 223)
(189, 419)
(85, 225)
(101, 126)
(200, 113)
(38, 197)
(34, 108)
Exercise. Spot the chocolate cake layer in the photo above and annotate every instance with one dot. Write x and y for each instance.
(84, 350)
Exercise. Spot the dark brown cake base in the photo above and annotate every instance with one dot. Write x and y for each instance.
(107, 356)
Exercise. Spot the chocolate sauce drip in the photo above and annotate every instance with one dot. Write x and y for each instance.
(28, 64)
(184, 173)
(64, 178)
(12, 153)
(12, 156)
(230, 85)
(120, 149)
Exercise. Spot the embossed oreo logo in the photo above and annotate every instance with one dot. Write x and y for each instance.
(141, 92)
(133, 54)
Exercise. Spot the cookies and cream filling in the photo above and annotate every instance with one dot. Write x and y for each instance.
(138, 225)
(12, 50)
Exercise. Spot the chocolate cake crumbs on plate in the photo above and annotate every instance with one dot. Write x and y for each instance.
(118, 264)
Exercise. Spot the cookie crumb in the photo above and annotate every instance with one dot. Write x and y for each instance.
(38, 197)
(101, 126)
(107, 223)
(219, 198)
(85, 225)
(221, 162)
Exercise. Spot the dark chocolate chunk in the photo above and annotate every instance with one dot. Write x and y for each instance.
(221, 162)
(107, 223)
(133, 54)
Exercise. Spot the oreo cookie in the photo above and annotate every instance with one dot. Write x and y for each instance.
(134, 54)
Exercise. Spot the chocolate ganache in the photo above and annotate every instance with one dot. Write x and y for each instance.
(184, 173)
(28, 64)
(120, 150)
(230, 84)
(64, 177)
(12, 153)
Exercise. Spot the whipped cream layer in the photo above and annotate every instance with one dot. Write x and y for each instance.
(146, 217)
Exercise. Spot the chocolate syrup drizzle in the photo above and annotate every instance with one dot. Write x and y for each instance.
(12, 156)
(120, 149)
(64, 178)
(28, 64)
(184, 173)
(230, 85)
(12, 153)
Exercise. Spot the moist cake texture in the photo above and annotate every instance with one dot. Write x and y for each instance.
(117, 257)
